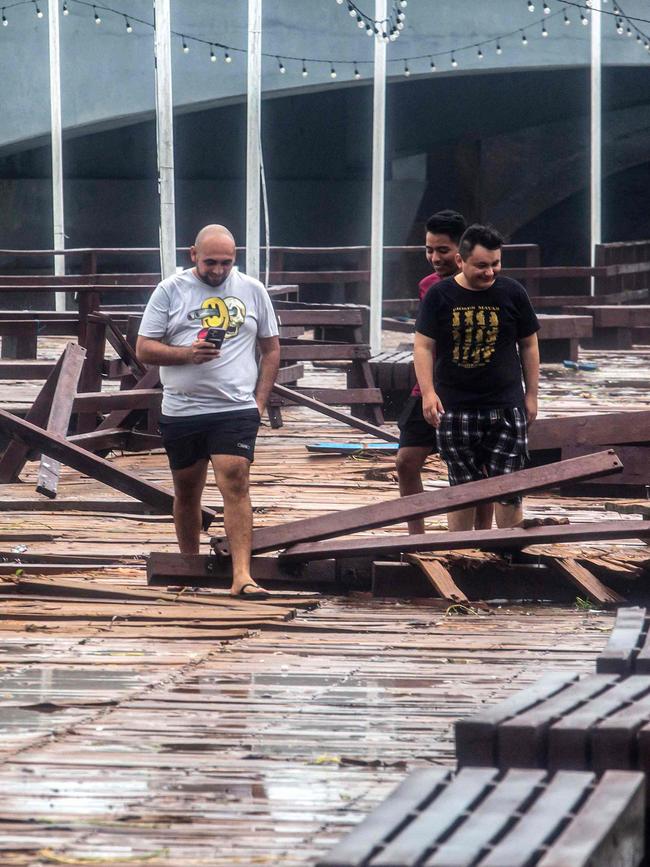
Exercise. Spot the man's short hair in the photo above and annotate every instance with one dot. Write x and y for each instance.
(447, 223)
(486, 236)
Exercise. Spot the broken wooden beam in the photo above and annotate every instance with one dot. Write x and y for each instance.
(89, 464)
(511, 539)
(309, 402)
(200, 570)
(587, 583)
(438, 576)
(58, 423)
(431, 502)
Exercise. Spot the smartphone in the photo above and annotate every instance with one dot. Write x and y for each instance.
(215, 336)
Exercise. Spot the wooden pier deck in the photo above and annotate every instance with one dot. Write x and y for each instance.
(158, 734)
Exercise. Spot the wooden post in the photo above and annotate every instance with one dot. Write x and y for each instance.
(378, 159)
(58, 239)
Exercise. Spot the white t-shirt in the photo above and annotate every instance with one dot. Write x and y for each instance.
(179, 309)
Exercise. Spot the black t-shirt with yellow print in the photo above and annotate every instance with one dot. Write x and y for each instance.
(476, 334)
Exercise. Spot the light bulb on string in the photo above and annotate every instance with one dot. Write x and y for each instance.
(432, 65)
(479, 54)
(547, 9)
(583, 20)
(65, 9)
(544, 30)
(524, 40)
(357, 74)
(531, 6)
(498, 48)
(628, 32)
(332, 71)
(567, 20)
(281, 67)
(5, 23)
(403, 3)
(304, 71)
(39, 14)
(213, 56)
(185, 46)
(360, 22)
(226, 57)
(98, 20)
(619, 27)
(454, 62)
(127, 25)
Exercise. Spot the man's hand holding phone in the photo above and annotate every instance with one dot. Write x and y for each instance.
(209, 347)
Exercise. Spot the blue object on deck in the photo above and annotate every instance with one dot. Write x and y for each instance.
(580, 365)
(351, 448)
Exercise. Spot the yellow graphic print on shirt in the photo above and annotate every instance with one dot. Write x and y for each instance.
(474, 333)
(228, 313)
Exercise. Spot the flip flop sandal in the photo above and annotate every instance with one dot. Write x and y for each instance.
(258, 594)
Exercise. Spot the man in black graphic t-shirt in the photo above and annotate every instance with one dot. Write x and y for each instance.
(475, 336)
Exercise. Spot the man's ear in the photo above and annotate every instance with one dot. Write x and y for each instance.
(459, 261)
(193, 253)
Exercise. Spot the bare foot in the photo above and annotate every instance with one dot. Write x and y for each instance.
(527, 523)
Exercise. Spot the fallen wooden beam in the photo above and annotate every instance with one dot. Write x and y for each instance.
(89, 464)
(488, 540)
(302, 399)
(604, 429)
(588, 584)
(431, 502)
(439, 577)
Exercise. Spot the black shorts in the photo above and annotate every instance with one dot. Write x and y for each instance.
(483, 442)
(188, 439)
(414, 430)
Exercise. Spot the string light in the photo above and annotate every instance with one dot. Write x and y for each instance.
(524, 40)
(281, 67)
(127, 25)
(567, 20)
(5, 23)
(357, 74)
(65, 9)
(479, 54)
(185, 46)
(407, 71)
(226, 57)
(583, 20)
(432, 65)
(332, 72)
(98, 20)
(305, 71)
(39, 14)
(213, 56)
(498, 48)
(454, 62)
(544, 30)
(387, 28)
(547, 9)
(531, 6)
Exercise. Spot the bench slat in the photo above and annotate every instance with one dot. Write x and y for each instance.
(521, 741)
(608, 830)
(491, 816)
(568, 738)
(476, 735)
(613, 741)
(437, 819)
(624, 639)
(416, 791)
(535, 828)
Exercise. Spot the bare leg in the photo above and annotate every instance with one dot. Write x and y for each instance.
(508, 515)
(231, 473)
(483, 517)
(409, 463)
(461, 519)
(188, 487)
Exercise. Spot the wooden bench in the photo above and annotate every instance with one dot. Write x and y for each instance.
(628, 647)
(599, 722)
(483, 818)
(616, 326)
(560, 335)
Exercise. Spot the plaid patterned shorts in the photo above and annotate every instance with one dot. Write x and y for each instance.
(477, 443)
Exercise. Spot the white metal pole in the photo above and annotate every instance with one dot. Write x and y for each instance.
(596, 133)
(58, 224)
(378, 160)
(253, 138)
(165, 135)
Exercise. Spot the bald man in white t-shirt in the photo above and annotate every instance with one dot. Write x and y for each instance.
(212, 397)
